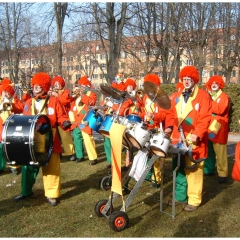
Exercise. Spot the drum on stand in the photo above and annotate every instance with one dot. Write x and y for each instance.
(27, 140)
(138, 136)
(159, 144)
(94, 120)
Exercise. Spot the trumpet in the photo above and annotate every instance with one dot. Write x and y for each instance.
(139, 93)
(6, 106)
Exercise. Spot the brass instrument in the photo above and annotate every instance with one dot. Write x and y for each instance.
(139, 93)
(7, 106)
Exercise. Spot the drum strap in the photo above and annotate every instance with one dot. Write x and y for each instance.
(45, 103)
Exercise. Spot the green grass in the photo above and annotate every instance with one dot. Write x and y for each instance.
(218, 216)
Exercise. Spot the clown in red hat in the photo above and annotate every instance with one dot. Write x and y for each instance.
(218, 130)
(192, 114)
(50, 106)
(82, 133)
(9, 105)
(64, 97)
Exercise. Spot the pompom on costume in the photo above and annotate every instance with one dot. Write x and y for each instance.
(42, 79)
(191, 72)
(217, 79)
(60, 80)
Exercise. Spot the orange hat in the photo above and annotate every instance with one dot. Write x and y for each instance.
(131, 82)
(42, 79)
(179, 86)
(7, 81)
(8, 88)
(217, 79)
(58, 79)
(84, 81)
(152, 78)
(189, 71)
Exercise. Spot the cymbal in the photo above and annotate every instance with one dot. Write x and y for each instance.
(109, 91)
(156, 94)
(124, 94)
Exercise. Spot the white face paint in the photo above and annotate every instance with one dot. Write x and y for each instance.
(129, 89)
(188, 83)
(57, 86)
(214, 87)
(6, 95)
(37, 88)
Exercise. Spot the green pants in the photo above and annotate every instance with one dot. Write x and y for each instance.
(181, 180)
(108, 149)
(210, 162)
(29, 175)
(2, 158)
(78, 142)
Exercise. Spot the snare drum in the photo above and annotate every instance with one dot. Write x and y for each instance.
(106, 125)
(159, 144)
(139, 136)
(134, 118)
(94, 120)
(27, 140)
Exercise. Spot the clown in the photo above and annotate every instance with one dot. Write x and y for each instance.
(15, 106)
(82, 133)
(192, 114)
(218, 130)
(49, 105)
(65, 99)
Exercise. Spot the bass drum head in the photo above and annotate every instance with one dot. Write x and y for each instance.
(157, 151)
(27, 140)
(133, 141)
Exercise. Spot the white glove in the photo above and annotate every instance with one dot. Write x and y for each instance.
(109, 104)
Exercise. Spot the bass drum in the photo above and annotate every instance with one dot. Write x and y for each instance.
(27, 140)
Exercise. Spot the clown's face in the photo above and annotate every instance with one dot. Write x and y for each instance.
(6, 95)
(57, 86)
(214, 87)
(37, 89)
(188, 83)
(130, 90)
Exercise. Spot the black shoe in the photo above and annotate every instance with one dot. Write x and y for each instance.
(124, 169)
(21, 197)
(93, 162)
(222, 179)
(108, 166)
(72, 158)
(79, 160)
(1, 171)
(208, 174)
(52, 201)
(125, 191)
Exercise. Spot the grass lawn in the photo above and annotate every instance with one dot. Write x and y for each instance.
(218, 215)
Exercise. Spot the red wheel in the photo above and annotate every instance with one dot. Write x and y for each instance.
(118, 221)
(99, 207)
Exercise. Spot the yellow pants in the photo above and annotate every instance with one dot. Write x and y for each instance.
(51, 177)
(157, 170)
(67, 142)
(221, 159)
(90, 146)
(195, 183)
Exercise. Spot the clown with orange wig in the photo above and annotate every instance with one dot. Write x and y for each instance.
(50, 106)
(218, 130)
(8, 96)
(82, 133)
(63, 95)
(192, 114)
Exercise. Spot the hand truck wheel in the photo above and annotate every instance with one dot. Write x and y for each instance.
(118, 221)
(105, 183)
(99, 207)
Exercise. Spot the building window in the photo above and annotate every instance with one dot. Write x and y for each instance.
(103, 65)
(122, 54)
(189, 62)
(87, 67)
(95, 76)
(79, 58)
(211, 73)
(102, 56)
(122, 65)
(78, 76)
(233, 73)
(180, 63)
(97, 48)
(142, 54)
(63, 59)
(204, 73)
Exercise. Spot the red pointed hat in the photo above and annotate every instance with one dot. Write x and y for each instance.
(130, 82)
(58, 79)
(217, 79)
(42, 79)
(84, 81)
(151, 77)
(189, 71)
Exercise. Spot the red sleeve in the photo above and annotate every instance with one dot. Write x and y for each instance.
(89, 100)
(64, 98)
(219, 107)
(17, 106)
(25, 97)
